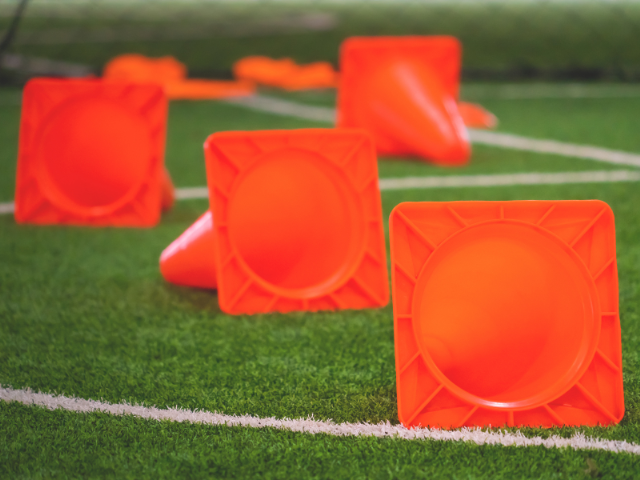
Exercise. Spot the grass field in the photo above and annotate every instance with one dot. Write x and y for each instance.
(85, 313)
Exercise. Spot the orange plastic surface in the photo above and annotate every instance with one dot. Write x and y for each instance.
(208, 89)
(172, 75)
(297, 219)
(285, 73)
(189, 260)
(506, 314)
(476, 116)
(138, 68)
(91, 153)
(404, 91)
(168, 195)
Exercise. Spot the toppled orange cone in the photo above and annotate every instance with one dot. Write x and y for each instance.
(404, 91)
(506, 314)
(296, 224)
(476, 116)
(172, 75)
(285, 73)
(189, 260)
(92, 153)
(168, 195)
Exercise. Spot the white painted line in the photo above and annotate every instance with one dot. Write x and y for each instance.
(509, 179)
(517, 142)
(550, 91)
(6, 208)
(454, 181)
(578, 441)
(191, 192)
(504, 140)
(285, 108)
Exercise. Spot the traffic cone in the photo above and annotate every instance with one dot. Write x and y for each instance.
(404, 91)
(92, 153)
(296, 224)
(285, 73)
(172, 76)
(189, 259)
(506, 314)
(168, 195)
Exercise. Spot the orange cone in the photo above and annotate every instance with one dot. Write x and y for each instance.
(285, 73)
(404, 91)
(168, 196)
(297, 224)
(476, 116)
(189, 260)
(506, 314)
(92, 153)
(172, 75)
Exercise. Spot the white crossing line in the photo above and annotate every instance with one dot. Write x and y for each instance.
(310, 426)
(504, 140)
(454, 181)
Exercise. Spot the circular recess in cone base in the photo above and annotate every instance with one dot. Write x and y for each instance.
(297, 223)
(507, 313)
(95, 154)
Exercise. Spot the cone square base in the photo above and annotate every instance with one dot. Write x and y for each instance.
(298, 220)
(506, 314)
(91, 153)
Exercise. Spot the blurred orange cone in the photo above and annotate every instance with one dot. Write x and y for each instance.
(285, 73)
(168, 196)
(404, 91)
(172, 75)
(92, 153)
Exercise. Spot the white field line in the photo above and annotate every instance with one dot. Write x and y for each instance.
(550, 91)
(504, 140)
(578, 441)
(454, 181)
(6, 208)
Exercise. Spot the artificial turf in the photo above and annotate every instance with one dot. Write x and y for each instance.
(84, 312)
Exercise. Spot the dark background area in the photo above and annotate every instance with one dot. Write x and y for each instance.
(503, 40)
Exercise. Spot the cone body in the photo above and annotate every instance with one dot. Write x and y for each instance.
(404, 91)
(92, 153)
(463, 271)
(189, 260)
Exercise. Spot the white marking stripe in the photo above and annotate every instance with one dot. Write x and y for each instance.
(453, 181)
(508, 179)
(517, 142)
(504, 140)
(550, 91)
(286, 108)
(191, 192)
(8, 207)
(577, 441)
